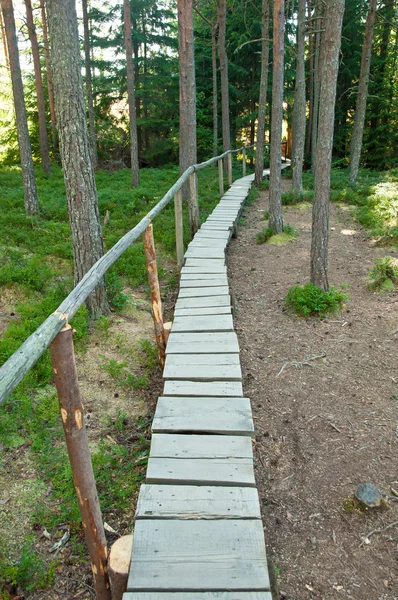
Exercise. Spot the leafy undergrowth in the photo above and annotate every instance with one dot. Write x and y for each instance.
(309, 300)
(266, 235)
(383, 277)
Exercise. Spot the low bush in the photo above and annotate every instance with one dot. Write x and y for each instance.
(384, 275)
(309, 300)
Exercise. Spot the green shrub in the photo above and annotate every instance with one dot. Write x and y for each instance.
(264, 235)
(29, 572)
(384, 275)
(291, 198)
(307, 300)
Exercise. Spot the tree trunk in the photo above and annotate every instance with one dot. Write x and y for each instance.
(137, 84)
(3, 37)
(311, 82)
(215, 91)
(331, 41)
(299, 104)
(222, 55)
(262, 103)
(315, 111)
(275, 221)
(50, 86)
(89, 86)
(75, 149)
(187, 94)
(45, 158)
(360, 111)
(135, 172)
(28, 176)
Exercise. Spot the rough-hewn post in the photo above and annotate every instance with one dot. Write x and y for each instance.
(262, 103)
(179, 229)
(135, 171)
(299, 118)
(71, 407)
(230, 169)
(150, 258)
(220, 177)
(244, 162)
(28, 176)
(89, 85)
(193, 203)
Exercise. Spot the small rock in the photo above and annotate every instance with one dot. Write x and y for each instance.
(369, 494)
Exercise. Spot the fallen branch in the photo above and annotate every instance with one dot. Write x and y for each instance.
(297, 364)
(365, 540)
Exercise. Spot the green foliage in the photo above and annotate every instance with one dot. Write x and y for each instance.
(290, 198)
(384, 275)
(308, 300)
(267, 233)
(30, 572)
(264, 235)
(120, 373)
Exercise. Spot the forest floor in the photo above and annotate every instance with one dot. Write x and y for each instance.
(323, 427)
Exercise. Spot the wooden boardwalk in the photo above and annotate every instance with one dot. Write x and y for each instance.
(198, 532)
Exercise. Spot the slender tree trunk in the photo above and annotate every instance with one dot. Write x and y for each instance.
(3, 37)
(299, 104)
(28, 176)
(222, 55)
(81, 192)
(135, 172)
(360, 111)
(144, 98)
(137, 84)
(310, 85)
(262, 103)
(275, 221)
(331, 41)
(187, 93)
(89, 86)
(45, 158)
(50, 86)
(315, 112)
(215, 91)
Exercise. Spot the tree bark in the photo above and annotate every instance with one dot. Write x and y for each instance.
(311, 83)
(331, 41)
(81, 192)
(363, 84)
(222, 55)
(315, 111)
(187, 94)
(275, 221)
(262, 103)
(28, 176)
(50, 86)
(135, 172)
(215, 91)
(299, 117)
(3, 37)
(45, 158)
(89, 86)
(156, 300)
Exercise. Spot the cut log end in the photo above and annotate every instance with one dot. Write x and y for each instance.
(119, 564)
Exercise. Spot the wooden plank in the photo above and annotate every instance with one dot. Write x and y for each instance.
(201, 471)
(192, 292)
(215, 263)
(206, 243)
(220, 280)
(203, 323)
(203, 372)
(202, 343)
(218, 253)
(203, 302)
(197, 596)
(203, 415)
(217, 389)
(199, 276)
(177, 445)
(197, 502)
(191, 312)
(206, 267)
(174, 555)
(202, 359)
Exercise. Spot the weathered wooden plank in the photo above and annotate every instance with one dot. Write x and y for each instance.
(188, 276)
(203, 415)
(203, 323)
(202, 343)
(204, 302)
(204, 262)
(203, 372)
(202, 359)
(214, 282)
(206, 267)
(175, 555)
(218, 235)
(206, 243)
(219, 290)
(197, 502)
(177, 445)
(194, 311)
(217, 389)
(197, 596)
(201, 471)
(218, 253)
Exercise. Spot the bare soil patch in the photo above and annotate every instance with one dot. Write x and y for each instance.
(321, 429)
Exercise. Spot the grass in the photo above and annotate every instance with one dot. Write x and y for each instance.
(309, 300)
(383, 276)
(267, 234)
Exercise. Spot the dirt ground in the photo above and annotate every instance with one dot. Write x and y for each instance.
(323, 428)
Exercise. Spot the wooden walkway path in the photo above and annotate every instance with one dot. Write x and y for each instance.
(198, 532)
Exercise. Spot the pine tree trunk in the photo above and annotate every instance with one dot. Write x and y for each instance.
(331, 41)
(45, 158)
(50, 86)
(299, 103)
(75, 149)
(360, 110)
(215, 91)
(311, 83)
(262, 103)
(3, 37)
(135, 172)
(315, 111)
(275, 221)
(137, 83)
(187, 93)
(89, 86)
(222, 55)
(28, 176)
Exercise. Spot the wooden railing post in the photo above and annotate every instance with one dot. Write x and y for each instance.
(244, 162)
(66, 382)
(157, 314)
(230, 169)
(221, 178)
(193, 204)
(179, 229)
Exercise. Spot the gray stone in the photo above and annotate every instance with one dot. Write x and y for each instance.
(369, 494)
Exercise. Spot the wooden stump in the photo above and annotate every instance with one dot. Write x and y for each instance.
(119, 564)
(166, 330)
